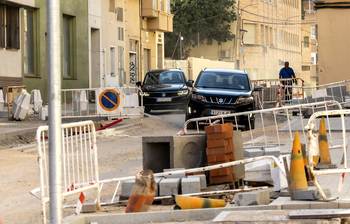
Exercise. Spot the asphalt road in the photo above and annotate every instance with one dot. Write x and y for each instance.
(177, 117)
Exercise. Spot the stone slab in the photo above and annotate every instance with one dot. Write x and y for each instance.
(261, 197)
(170, 186)
(203, 180)
(250, 153)
(272, 151)
(310, 194)
(190, 185)
(238, 152)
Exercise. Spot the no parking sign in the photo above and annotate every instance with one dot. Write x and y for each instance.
(110, 101)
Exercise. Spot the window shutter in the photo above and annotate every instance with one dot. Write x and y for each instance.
(2, 26)
(120, 14)
(12, 27)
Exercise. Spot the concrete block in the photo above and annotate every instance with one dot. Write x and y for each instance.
(272, 151)
(285, 152)
(164, 152)
(306, 195)
(202, 179)
(261, 197)
(335, 90)
(239, 170)
(88, 208)
(181, 175)
(324, 205)
(170, 186)
(295, 205)
(126, 188)
(157, 180)
(344, 204)
(190, 185)
(250, 153)
(280, 201)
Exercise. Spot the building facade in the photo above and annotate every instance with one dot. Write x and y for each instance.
(333, 22)
(11, 45)
(268, 34)
(74, 46)
(309, 45)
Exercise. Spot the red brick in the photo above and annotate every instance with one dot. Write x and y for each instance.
(221, 127)
(209, 129)
(214, 173)
(219, 150)
(211, 158)
(225, 171)
(220, 135)
(224, 157)
(221, 179)
(217, 143)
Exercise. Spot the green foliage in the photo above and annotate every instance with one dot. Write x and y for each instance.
(211, 19)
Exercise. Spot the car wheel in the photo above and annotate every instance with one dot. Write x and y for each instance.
(191, 124)
(252, 125)
(147, 109)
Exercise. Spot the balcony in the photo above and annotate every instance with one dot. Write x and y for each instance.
(159, 17)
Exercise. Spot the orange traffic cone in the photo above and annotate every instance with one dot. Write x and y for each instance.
(297, 171)
(325, 157)
(186, 202)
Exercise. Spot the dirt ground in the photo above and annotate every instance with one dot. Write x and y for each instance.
(118, 156)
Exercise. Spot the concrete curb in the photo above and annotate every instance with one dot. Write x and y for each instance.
(163, 216)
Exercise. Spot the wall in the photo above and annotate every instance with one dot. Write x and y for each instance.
(333, 44)
(78, 9)
(193, 66)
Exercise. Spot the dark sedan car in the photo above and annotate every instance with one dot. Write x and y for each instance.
(165, 89)
(222, 91)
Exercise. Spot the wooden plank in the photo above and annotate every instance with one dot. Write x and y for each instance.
(319, 214)
(290, 189)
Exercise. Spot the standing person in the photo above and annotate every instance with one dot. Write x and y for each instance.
(287, 73)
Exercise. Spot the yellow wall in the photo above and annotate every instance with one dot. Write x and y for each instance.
(333, 44)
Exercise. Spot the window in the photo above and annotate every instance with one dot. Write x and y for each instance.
(112, 56)
(121, 33)
(313, 33)
(68, 46)
(155, 4)
(12, 27)
(168, 7)
(313, 58)
(274, 37)
(249, 36)
(28, 48)
(121, 74)
(305, 68)
(120, 14)
(281, 36)
(262, 32)
(306, 41)
(112, 5)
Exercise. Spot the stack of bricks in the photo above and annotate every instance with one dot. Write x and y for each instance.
(220, 150)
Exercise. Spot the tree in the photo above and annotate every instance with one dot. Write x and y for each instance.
(211, 19)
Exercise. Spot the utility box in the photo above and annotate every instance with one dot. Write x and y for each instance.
(165, 152)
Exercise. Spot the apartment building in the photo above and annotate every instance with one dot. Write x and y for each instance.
(11, 45)
(333, 22)
(268, 34)
(309, 45)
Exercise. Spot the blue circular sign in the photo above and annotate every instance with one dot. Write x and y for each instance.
(109, 100)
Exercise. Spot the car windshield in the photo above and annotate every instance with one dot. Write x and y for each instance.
(223, 80)
(167, 77)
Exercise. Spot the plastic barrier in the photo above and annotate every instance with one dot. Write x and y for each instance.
(12, 93)
(1, 101)
(35, 99)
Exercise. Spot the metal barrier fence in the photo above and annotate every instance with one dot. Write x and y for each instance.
(80, 164)
(278, 90)
(273, 114)
(310, 127)
(86, 103)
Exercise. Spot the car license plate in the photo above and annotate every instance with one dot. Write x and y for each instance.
(163, 99)
(219, 112)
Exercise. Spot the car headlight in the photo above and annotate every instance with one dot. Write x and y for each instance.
(199, 97)
(244, 100)
(144, 93)
(182, 92)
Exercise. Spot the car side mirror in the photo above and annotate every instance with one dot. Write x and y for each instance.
(138, 83)
(189, 83)
(257, 88)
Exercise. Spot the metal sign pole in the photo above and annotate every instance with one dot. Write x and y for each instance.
(54, 72)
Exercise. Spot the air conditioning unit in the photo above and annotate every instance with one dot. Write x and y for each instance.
(266, 49)
(225, 54)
